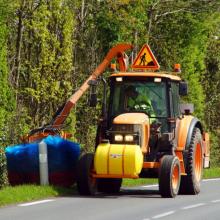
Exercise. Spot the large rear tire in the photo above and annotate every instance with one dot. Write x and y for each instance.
(169, 176)
(190, 184)
(109, 185)
(86, 184)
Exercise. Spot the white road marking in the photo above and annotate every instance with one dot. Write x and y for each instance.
(214, 179)
(163, 214)
(215, 201)
(193, 206)
(149, 186)
(205, 180)
(36, 203)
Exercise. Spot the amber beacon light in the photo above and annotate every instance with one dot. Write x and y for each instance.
(177, 68)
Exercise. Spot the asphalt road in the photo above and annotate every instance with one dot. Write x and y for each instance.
(141, 203)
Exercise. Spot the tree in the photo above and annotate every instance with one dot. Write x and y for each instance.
(212, 91)
(6, 94)
(211, 79)
(43, 46)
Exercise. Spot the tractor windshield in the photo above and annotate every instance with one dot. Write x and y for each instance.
(139, 96)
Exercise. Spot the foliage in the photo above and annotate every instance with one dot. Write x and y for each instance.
(3, 169)
(211, 79)
(212, 90)
(27, 193)
(6, 94)
(112, 18)
(43, 45)
(215, 150)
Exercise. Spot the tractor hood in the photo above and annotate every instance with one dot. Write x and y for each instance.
(133, 122)
(131, 118)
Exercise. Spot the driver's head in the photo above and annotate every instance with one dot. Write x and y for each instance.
(131, 91)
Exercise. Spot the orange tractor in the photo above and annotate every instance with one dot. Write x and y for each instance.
(142, 132)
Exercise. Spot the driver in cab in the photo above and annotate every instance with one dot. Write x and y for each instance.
(138, 101)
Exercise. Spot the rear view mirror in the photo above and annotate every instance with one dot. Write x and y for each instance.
(92, 93)
(93, 100)
(183, 88)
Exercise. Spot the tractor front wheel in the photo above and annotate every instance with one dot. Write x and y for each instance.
(86, 184)
(169, 176)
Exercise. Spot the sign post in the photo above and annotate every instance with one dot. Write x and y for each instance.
(43, 163)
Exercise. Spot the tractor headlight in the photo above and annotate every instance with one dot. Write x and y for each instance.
(129, 138)
(118, 137)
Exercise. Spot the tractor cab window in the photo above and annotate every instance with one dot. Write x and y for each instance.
(175, 99)
(139, 96)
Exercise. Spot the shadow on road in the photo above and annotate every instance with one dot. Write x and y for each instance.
(124, 192)
(140, 193)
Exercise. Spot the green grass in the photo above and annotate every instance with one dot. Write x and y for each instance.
(139, 182)
(26, 193)
(213, 172)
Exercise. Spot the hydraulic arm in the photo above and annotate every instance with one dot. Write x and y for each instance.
(119, 52)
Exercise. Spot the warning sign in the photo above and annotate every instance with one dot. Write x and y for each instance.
(146, 59)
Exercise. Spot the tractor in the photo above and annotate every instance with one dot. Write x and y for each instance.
(154, 137)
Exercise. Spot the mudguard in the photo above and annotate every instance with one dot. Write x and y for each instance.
(184, 131)
(194, 123)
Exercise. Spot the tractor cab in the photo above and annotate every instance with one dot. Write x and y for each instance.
(148, 98)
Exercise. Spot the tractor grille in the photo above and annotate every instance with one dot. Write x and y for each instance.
(125, 129)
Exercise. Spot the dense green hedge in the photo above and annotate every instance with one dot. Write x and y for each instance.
(3, 170)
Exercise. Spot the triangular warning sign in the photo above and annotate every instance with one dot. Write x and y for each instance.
(145, 59)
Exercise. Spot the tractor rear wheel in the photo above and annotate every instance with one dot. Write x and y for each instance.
(190, 184)
(109, 185)
(169, 176)
(86, 184)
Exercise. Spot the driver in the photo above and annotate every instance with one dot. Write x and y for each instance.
(138, 101)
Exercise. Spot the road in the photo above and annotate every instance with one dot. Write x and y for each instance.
(140, 203)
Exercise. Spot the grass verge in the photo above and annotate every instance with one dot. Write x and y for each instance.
(139, 182)
(213, 172)
(26, 193)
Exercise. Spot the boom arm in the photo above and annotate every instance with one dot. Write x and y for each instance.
(59, 119)
(118, 51)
